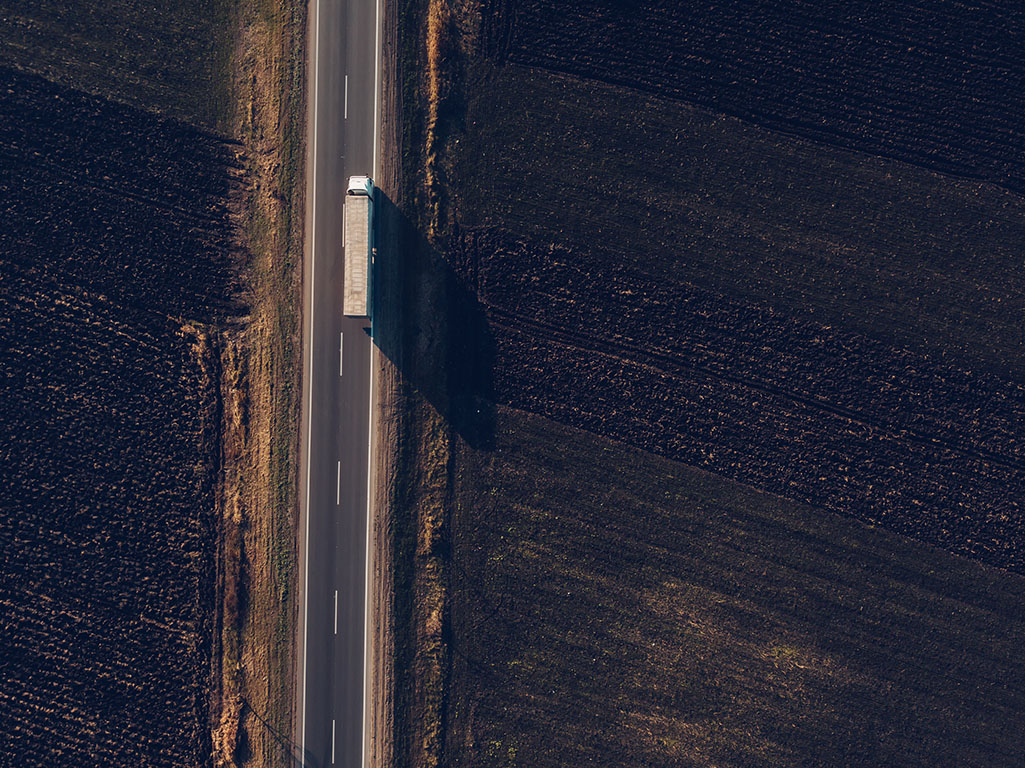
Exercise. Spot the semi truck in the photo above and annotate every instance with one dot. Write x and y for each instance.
(358, 242)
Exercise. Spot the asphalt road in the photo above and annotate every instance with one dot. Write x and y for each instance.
(336, 408)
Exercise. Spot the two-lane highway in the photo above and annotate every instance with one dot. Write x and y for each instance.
(342, 141)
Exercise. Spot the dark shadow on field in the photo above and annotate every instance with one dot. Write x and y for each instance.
(291, 751)
(109, 200)
(429, 323)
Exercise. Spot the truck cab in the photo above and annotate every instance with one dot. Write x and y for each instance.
(360, 185)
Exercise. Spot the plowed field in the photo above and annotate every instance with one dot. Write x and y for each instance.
(936, 83)
(116, 263)
(614, 608)
(749, 281)
(171, 57)
(829, 418)
(908, 256)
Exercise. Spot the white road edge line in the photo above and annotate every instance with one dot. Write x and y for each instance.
(338, 484)
(336, 611)
(377, 85)
(309, 373)
(341, 349)
(368, 647)
(332, 742)
(345, 113)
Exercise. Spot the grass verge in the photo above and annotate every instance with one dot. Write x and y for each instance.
(260, 387)
(414, 338)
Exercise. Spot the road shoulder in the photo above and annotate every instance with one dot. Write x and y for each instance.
(385, 430)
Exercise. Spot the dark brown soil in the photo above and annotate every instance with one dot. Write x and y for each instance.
(117, 263)
(808, 412)
(801, 320)
(887, 249)
(936, 83)
(736, 469)
(614, 608)
(168, 57)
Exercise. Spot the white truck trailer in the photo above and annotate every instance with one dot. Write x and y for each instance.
(358, 242)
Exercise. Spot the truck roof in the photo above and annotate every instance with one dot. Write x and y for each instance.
(357, 241)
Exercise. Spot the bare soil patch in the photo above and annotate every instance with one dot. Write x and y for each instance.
(904, 255)
(151, 288)
(935, 83)
(809, 412)
(174, 58)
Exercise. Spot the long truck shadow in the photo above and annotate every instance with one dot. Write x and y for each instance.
(449, 357)
(429, 324)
